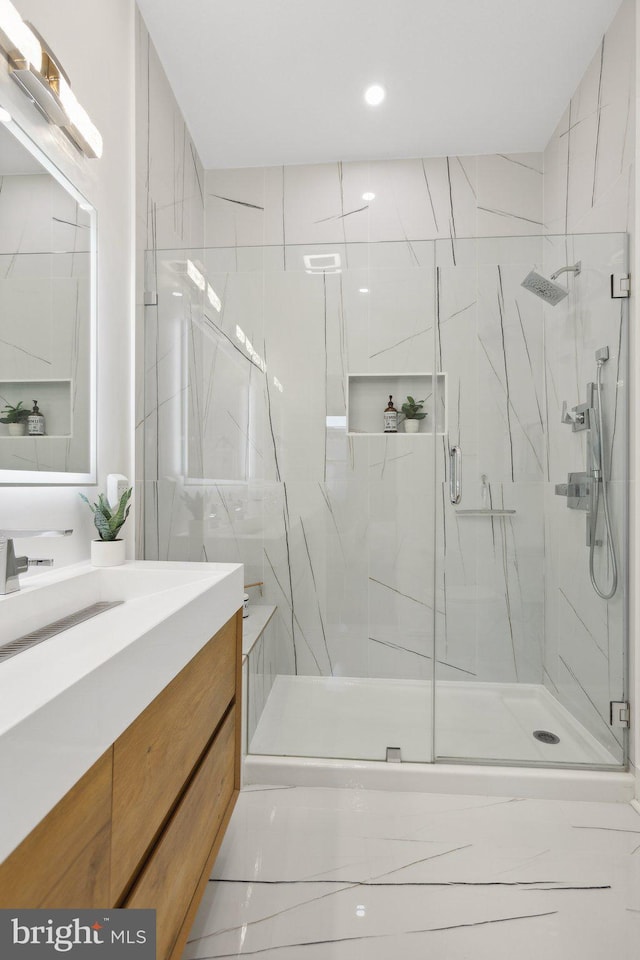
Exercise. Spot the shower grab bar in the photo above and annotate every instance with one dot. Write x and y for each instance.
(455, 474)
(485, 513)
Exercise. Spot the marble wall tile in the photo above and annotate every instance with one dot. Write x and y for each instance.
(417, 199)
(588, 160)
(169, 214)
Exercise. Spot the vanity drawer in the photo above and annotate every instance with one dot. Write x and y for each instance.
(154, 757)
(64, 862)
(188, 843)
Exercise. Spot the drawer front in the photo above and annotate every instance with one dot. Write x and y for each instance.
(155, 756)
(169, 879)
(64, 862)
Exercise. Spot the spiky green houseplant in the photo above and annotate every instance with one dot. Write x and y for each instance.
(107, 521)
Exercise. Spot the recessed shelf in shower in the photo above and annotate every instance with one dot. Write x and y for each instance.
(368, 393)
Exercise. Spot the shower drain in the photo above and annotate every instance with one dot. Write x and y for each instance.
(545, 736)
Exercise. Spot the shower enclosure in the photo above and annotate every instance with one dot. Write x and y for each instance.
(433, 590)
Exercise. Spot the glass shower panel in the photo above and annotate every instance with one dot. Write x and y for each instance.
(349, 558)
(528, 658)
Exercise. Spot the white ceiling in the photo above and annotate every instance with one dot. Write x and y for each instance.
(264, 82)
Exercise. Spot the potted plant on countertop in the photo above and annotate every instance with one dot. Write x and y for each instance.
(413, 414)
(16, 418)
(109, 550)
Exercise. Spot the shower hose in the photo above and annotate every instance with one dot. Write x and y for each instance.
(602, 493)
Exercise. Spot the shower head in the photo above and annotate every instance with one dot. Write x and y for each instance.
(552, 293)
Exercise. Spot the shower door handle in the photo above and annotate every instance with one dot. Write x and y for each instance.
(455, 474)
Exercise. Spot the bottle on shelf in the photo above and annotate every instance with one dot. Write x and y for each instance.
(390, 417)
(35, 422)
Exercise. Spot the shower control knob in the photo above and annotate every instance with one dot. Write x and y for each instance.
(572, 416)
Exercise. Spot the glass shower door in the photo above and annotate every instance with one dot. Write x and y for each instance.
(350, 561)
(528, 657)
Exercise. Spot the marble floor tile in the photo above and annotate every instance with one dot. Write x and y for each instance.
(326, 874)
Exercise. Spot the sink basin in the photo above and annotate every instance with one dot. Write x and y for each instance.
(66, 700)
(47, 597)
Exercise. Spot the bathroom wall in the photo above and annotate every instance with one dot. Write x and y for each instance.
(71, 30)
(169, 216)
(589, 188)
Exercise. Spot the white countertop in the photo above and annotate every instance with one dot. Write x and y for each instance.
(65, 701)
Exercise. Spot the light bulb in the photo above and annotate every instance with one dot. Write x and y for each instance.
(374, 95)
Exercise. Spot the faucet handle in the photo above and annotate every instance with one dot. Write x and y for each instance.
(565, 416)
(573, 416)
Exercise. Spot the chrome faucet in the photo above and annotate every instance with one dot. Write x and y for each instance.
(11, 566)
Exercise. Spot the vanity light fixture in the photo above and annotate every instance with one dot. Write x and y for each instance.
(35, 68)
(368, 197)
(374, 95)
(17, 39)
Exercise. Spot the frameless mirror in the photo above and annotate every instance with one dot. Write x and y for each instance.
(47, 319)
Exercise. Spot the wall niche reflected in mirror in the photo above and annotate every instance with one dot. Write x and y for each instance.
(47, 323)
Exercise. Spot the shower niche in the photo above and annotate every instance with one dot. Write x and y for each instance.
(368, 394)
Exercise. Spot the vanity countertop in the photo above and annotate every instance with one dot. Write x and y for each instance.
(66, 700)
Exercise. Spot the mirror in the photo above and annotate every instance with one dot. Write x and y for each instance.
(47, 319)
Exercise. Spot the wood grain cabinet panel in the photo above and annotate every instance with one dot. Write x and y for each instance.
(154, 757)
(64, 862)
(168, 880)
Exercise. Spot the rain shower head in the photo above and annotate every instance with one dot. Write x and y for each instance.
(552, 293)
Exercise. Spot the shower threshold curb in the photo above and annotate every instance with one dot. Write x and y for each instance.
(493, 781)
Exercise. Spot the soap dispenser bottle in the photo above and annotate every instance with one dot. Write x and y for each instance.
(390, 418)
(35, 422)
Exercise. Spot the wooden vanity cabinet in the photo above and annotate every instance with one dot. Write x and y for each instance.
(65, 860)
(143, 826)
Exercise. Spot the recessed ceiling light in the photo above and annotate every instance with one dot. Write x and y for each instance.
(368, 196)
(363, 290)
(176, 293)
(374, 94)
(5, 116)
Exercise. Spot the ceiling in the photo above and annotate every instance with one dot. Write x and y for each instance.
(267, 82)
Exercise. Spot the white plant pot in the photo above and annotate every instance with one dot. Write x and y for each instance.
(411, 426)
(17, 429)
(108, 553)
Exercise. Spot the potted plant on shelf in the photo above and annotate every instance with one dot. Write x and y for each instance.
(16, 418)
(109, 549)
(413, 414)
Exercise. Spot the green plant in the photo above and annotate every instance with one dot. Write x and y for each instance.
(107, 521)
(412, 409)
(15, 414)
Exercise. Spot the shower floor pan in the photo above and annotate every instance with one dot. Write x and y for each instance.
(343, 726)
